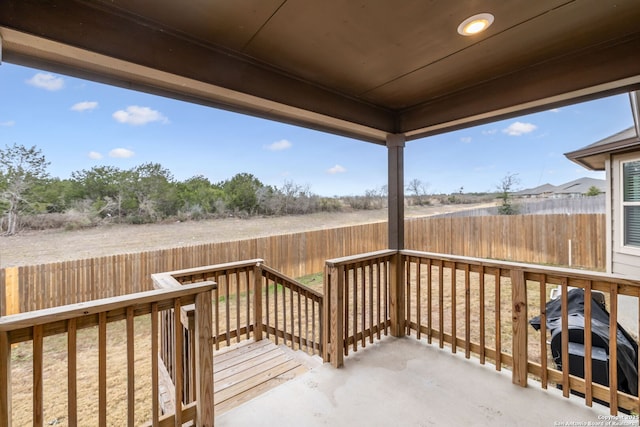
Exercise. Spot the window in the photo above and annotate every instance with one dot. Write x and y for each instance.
(631, 203)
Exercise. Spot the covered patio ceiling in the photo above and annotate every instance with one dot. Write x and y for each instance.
(363, 69)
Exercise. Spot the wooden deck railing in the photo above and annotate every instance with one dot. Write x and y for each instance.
(358, 307)
(69, 320)
(251, 301)
(478, 306)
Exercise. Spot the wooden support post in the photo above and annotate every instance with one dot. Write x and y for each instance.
(204, 360)
(519, 323)
(397, 296)
(334, 311)
(257, 303)
(395, 185)
(5, 380)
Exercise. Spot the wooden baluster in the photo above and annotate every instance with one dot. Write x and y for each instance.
(306, 321)
(237, 295)
(292, 321)
(454, 280)
(131, 399)
(483, 346)
(299, 321)
(385, 288)
(498, 338)
(5, 380)
(429, 301)
(284, 314)
(155, 383)
(276, 312)
(102, 368)
(378, 301)
(613, 349)
(588, 346)
(216, 303)
(177, 362)
(370, 269)
(247, 300)
(407, 303)
(363, 303)
(544, 377)
(467, 312)
(227, 311)
(441, 303)
(564, 346)
(38, 397)
(72, 370)
(418, 299)
(257, 303)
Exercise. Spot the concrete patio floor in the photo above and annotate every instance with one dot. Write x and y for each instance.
(404, 382)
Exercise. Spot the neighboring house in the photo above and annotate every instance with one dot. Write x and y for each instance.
(577, 188)
(542, 191)
(619, 156)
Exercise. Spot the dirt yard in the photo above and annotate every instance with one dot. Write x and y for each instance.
(37, 247)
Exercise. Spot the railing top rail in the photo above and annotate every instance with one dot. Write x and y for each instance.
(289, 279)
(531, 268)
(361, 257)
(50, 315)
(161, 278)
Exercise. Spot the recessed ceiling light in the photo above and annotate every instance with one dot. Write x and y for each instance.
(475, 24)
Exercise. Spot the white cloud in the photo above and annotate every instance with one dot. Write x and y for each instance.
(121, 153)
(336, 169)
(283, 144)
(46, 81)
(95, 155)
(490, 132)
(519, 128)
(135, 115)
(84, 106)
(8, 123)
(555, 110)
(466, 139)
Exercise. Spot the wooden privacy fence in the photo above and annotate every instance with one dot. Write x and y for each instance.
(577, 240)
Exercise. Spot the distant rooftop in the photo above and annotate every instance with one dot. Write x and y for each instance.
(578, 186)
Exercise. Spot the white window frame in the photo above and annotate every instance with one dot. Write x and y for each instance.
(627, 249)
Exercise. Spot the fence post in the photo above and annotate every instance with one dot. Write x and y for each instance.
(397, 296)
(204, 361)
(257, 302)
(333, 340)
(519, 325)
(11, 291)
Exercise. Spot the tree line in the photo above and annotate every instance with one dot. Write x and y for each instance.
(31, 198)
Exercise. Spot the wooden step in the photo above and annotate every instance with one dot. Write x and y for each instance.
(251, 368)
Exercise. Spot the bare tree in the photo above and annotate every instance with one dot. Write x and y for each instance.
(505, 188)
(20, 169)
(418, 190)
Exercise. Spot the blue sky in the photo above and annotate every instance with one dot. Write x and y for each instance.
(80, 124)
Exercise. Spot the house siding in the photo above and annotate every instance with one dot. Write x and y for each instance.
(622, 262)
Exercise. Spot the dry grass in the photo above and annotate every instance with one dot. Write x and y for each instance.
(55, 377)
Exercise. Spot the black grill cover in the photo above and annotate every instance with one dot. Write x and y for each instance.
(627, 346)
